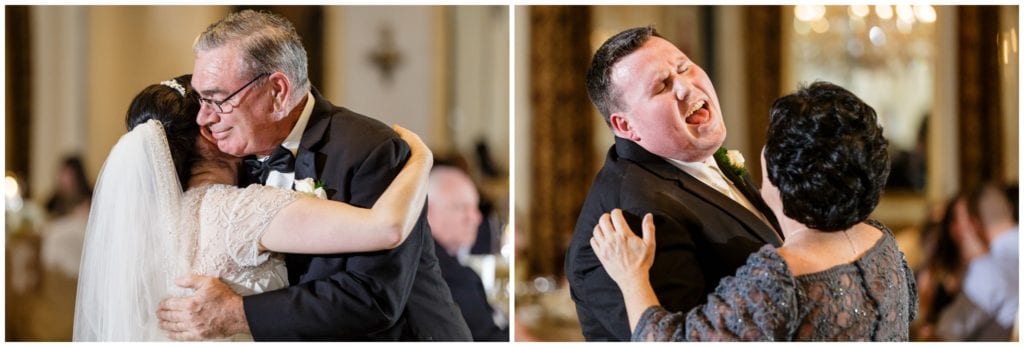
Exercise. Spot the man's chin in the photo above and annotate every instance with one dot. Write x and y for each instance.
(696, 155)
(234, 152)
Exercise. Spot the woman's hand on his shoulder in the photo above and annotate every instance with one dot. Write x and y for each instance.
(626, 257)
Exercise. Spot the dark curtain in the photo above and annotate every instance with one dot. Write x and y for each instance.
(979, 116)
(18, 59)
(562, 131)
(762, 34)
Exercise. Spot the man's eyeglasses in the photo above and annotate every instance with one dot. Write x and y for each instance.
(223, 106)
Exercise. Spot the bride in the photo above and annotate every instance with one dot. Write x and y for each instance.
(166, 205)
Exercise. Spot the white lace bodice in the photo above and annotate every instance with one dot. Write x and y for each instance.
(228, 222)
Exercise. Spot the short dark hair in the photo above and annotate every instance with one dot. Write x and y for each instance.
(177, 112)
(826, 153)
(599, 84)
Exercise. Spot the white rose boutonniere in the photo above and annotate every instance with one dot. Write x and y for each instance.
(308, 186)
(733, 158)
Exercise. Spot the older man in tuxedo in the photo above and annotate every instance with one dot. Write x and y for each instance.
(454, 217)
(251, 74)
(665, 115)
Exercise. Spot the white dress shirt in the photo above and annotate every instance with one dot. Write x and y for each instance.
(287, 179)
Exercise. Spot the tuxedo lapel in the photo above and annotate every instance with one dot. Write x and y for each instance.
(660, 167)
(305, 165)
(728, 205)
(319, 121)
(746, 185)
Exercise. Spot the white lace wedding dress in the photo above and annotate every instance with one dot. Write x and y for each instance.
(224, 224)
(143, 232)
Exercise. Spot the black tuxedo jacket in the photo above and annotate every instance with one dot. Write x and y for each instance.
(702, 236)
(387, 295)
(468, 291)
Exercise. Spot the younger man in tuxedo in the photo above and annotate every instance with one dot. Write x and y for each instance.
(665, 115)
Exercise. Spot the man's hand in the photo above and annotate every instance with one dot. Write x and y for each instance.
(213, 311)
(966, 234)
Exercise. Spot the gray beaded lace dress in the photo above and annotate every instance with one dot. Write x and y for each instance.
(872, 299)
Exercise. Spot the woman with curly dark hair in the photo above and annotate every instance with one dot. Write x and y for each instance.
(838, 275)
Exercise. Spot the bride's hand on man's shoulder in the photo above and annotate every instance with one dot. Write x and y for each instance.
(624, 256)
(415, 143)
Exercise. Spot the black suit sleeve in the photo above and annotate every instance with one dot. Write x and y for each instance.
(371, 292)
(676, 275)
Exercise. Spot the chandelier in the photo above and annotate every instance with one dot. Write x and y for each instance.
(872, 37)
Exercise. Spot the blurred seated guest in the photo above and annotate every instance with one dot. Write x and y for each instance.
(454, 216)
(73, 189)
(1011, 191)
(838, 276)
(986, 307)
(488, 234)
(908, 165)
(68, 208)
(62, 239)
(940, 276)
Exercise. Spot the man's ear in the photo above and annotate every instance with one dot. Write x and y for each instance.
(621, 127)
(280, 89)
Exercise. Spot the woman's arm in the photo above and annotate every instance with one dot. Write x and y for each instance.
(628, 260)
(318, 226)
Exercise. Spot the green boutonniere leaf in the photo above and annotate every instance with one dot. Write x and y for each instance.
(722, 156)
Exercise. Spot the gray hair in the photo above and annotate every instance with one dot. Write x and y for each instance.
(268, 43)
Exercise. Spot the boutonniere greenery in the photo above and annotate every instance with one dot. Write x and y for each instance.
(315, 188)
(733, 159)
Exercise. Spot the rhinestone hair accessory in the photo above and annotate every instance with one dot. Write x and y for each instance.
(174, 84)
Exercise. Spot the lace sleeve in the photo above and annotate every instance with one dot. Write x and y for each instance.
(758, 304)
(658, 324)
(248, 213)
(912, 288)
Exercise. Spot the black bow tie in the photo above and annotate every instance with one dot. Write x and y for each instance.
(281, 160)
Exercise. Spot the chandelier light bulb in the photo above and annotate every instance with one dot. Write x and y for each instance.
(860, 11)
(877, 36)
(924, 13)
(905, 12)
(11, 187)
(883, 11)
(804, 13)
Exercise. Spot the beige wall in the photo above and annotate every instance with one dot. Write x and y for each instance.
(480, 75)
(523, 114)
(1010, 79)
(89, 62)
(408, 99)
(451, 86)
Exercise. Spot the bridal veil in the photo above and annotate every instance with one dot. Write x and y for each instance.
(129, 257)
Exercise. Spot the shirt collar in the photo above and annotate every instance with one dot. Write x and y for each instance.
(691, 167)
(295, 137)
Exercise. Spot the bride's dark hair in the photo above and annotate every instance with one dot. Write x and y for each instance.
(166, 103)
